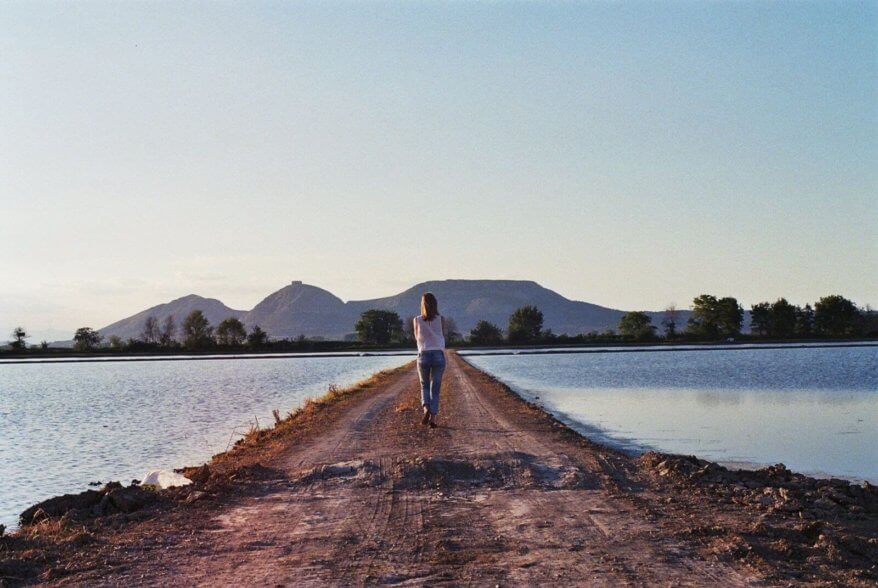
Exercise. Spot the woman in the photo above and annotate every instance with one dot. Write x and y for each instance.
(429, 330)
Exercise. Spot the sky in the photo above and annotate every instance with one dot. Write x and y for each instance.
(627, 154)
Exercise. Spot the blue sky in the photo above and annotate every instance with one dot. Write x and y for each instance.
(627, 154)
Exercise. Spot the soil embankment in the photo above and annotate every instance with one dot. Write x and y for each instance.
(354, 490)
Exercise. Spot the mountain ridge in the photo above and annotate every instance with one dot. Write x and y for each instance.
(304, 309)
(131, 327)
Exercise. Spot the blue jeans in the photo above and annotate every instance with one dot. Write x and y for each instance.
(431, 364)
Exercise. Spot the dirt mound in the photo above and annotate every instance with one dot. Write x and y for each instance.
(111, 499)
(769, 489)
(802, 521)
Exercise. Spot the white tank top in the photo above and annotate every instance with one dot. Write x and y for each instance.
(428, 334)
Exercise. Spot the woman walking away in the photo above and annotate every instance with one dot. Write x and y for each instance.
(429, 330)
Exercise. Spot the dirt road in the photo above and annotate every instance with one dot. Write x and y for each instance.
(499, 494)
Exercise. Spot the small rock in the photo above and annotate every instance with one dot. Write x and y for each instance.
(825, 504)
(196, 495)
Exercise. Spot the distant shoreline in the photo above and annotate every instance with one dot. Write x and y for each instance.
(74, 357)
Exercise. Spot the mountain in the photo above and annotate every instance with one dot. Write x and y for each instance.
(469, 301)
(302, 309)
(214, 310)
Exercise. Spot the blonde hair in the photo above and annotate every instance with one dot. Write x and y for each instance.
(429, 307)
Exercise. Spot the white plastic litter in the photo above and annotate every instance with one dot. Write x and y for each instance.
(162, 479)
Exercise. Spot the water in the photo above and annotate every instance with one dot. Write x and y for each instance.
(813, 409)
(65, 425)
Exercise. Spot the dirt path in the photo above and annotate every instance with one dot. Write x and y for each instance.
(499, 494)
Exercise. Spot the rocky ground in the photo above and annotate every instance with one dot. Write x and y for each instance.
(351, 489)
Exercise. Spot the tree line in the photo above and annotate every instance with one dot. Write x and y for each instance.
(385, 327)
(194, 334)
(715, 318)
(712, 318)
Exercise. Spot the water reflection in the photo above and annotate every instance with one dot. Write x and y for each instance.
(816, 410)
(65, 425)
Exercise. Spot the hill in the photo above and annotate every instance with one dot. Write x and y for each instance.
(303, 309)
(469, 301)
(214, 310)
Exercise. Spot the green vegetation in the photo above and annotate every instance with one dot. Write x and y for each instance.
(452, 335)
(486, 333)
(151, 334)
(379, 327)
(526, 325)
(836, 316)
(777, 319)
(712, 319)
(832, 316)
(86, 339)
(257, 337)
(168, 332)
(18, 342)
(636, 325)
(197, 332)
(230, 331)
(669, 322)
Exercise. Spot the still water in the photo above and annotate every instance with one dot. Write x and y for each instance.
(813, 409)
(65, 425)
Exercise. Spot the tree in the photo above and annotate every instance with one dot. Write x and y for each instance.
(116, 342)
(408, 334)
(636, 325)
(731, 316)
(525, 325)
(669, 322)
(783, 319)
(257, 337)
(760, 319)
(452, 335)
(169, 329)
(379, 327)
(197, 332)
(836, 316)
(485, 333)
(704, 321)
(86, 339)
(19, 335)
(44, 344)
(150, 333)
(230, 332)
(805, 321)
(712, 317)
(870, 322)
